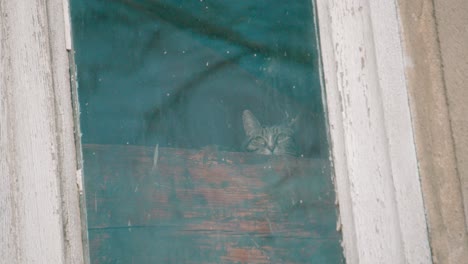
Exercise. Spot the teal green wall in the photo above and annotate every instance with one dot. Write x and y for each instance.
(179, 74)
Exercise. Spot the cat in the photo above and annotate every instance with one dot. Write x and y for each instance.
(269, 140)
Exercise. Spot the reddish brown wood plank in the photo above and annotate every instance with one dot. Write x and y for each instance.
(235, 207)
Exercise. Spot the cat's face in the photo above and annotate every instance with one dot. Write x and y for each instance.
(273, 140)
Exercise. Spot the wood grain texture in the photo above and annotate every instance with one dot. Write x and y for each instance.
(39, 216)
(208, 207)
(374, 154)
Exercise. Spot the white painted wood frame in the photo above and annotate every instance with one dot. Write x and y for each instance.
(39, 199)
(376, 172)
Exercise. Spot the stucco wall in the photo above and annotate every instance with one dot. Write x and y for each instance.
(435, 37)
(452, 25)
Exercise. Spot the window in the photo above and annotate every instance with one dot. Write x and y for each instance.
(204, 134)
(379, 196)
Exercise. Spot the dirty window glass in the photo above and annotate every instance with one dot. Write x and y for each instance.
(203, 132)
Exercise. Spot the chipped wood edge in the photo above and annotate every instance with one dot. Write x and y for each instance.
(40, 220)
(373, 150)
(336, 130)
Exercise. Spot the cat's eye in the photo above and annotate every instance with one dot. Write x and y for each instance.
(259, 141)
(282, 137)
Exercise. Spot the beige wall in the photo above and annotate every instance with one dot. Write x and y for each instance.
(452, 24)
(435, 37)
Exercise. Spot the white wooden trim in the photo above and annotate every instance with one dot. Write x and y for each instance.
(39, 202)
(373, 150)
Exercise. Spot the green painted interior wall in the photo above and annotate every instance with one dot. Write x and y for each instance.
(178, 74)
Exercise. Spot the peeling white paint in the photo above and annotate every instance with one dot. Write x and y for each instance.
(67, 21)
(79, 180)
(39, 219)
(374, 154)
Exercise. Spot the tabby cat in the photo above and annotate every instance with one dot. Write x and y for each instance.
(269, 140)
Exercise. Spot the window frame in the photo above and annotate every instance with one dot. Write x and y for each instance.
(372, 147)
(39, 190)
(377, 180)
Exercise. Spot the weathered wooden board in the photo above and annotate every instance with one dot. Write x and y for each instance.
(208, 207)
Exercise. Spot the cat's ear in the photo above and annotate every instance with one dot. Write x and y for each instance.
(251, 123)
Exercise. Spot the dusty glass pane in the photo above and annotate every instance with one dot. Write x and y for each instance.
(204, 136)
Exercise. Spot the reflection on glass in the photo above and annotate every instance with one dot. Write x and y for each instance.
(204, 135)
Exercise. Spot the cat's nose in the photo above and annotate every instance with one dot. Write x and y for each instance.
(271, 148)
